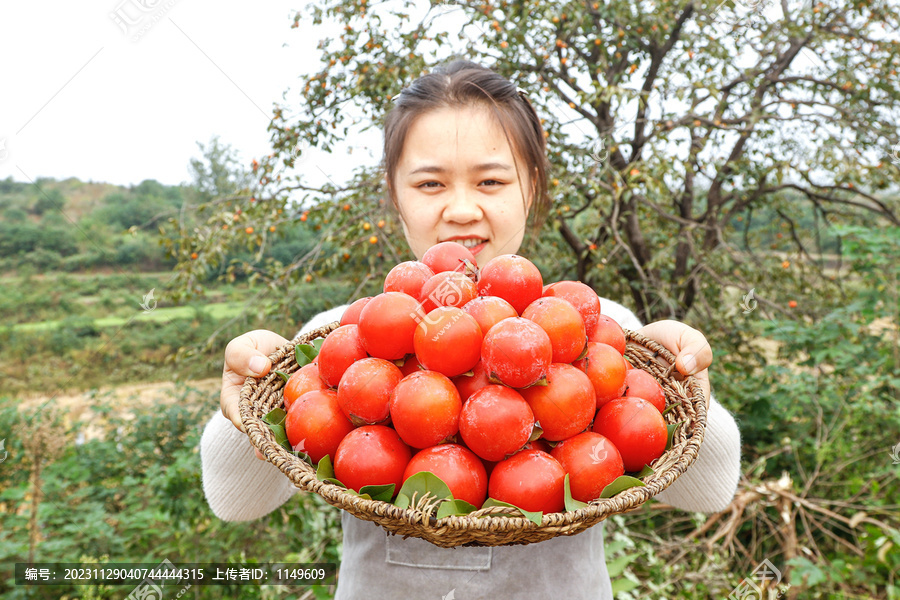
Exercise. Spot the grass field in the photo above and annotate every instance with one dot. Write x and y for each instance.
(217, 311)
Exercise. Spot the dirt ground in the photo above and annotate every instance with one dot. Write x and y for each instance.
(79, 406)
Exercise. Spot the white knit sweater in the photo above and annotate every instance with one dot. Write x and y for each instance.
(240, 487)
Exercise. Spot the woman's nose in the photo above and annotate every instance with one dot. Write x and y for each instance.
(462, 206)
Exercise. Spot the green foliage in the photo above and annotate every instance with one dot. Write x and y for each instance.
(146, 504)
(17, 239)
(51, 200)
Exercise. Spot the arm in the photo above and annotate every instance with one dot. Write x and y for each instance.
(710, 483)
(238, 486)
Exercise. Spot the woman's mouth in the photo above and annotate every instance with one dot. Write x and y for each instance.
(474, 245)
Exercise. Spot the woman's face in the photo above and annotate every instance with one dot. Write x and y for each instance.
(456, 181)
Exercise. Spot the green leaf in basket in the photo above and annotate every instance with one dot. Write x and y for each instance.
(324, 470)
(304, 354)
(317, 343)
(620, 484)
(275, 420)
(534, 517)
(421, 484)
(572, 503)
(378, 492)
(283, 375)
(672, 428)
(669, 409)
(647, 470)
(454, 508)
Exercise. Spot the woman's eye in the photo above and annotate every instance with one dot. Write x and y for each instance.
(492, 180)
(428, 184)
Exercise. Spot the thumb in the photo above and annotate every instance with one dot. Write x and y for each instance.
(692, 351)
(245, 356)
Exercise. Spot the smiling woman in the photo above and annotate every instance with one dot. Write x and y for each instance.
(457, 147)
(445, 193)
(464, 160)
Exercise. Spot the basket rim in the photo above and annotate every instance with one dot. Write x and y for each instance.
(486, 520)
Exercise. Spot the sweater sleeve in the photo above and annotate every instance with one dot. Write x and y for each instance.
(237, 485)
(710, 483)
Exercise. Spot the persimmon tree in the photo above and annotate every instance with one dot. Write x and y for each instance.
(694, 145)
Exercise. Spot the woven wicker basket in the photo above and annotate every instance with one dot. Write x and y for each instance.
(494, 526)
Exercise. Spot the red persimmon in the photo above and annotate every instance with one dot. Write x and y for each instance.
(341, 348)
(513, 278)
(495, 421)
(516, 352)
(579, 295)
(305, 379)
(458, 467)
(387, 324)
(315, 424)
(489, 310)
(469, 384)
(636, 428)
(447, 288)
(364, 392)
(592, 462)
(608, 331)
(531, 479)
(425, 409)
(408, 277)
(642, 384)
(448, 256)
(371, 455)
(563, 324)
(566, 405)
(351, 315)
(605, 367)
(448, 341)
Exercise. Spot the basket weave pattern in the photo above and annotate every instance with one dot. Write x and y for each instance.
(489, 526)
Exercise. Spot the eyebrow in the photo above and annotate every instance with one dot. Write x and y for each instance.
(482, 167)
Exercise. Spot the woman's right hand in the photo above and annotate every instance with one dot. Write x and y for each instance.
(245, 356)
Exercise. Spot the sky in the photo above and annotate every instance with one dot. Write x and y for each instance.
(114, 91)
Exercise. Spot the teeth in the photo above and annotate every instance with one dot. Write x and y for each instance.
(470, 243)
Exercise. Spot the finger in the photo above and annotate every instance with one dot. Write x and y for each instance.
(245, 356)
(259, 454)
(703, 380)
(690, 347)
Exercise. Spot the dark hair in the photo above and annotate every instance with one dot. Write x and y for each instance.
(465, 83)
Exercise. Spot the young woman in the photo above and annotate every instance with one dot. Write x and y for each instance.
(464, 160)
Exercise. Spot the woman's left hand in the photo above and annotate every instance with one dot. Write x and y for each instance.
(693, 354)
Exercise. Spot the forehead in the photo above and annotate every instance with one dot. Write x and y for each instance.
(455, 137)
